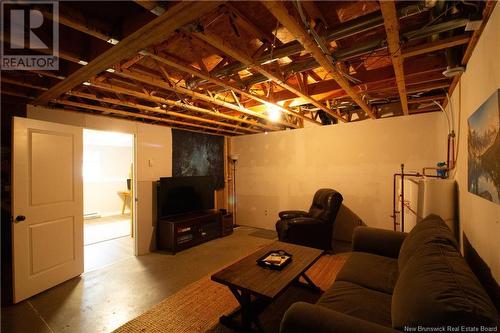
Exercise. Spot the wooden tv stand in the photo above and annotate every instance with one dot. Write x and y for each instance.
(176, 233)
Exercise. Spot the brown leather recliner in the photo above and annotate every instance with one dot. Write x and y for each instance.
(313, 228)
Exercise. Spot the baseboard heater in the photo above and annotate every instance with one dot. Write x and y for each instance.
(90, 216)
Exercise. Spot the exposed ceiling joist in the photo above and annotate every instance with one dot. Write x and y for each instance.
(278, 9)
(16, 94)
(219, 43)
(178, 104)
(79, 22)
(193, 71)
(488, 9)
(140, 115)
(153, 32)
(391, 20)
(153, 6)
(248, 25)
(158, 110)
(343, 30)
(22, 83)
(48, 74)
(437, 45)
(193, 94)
(370, 81)
(426, 99)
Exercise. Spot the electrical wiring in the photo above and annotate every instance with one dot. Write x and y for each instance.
(445, 113)
(459, 126)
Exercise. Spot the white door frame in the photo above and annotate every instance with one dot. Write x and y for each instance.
(133, 200)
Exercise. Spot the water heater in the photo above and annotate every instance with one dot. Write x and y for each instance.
(424, 196)
(438, 196)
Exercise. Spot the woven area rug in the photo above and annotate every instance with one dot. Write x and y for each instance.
(197, 307)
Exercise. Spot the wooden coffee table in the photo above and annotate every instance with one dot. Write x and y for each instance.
(255, 287)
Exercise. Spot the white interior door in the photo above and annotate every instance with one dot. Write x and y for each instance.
(47, 205)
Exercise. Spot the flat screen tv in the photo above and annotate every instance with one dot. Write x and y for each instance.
(178, 195)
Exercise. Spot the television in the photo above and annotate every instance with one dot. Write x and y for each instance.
(179, 195)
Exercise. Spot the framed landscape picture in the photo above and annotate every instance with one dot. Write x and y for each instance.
(484, 150)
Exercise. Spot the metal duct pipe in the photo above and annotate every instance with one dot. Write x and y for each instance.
(344, 30)
(346, 54)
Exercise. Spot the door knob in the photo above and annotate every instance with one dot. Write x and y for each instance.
(20, 218)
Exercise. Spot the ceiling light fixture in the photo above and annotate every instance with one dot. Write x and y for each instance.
(453, 71)
(113, 41)
(273, 112)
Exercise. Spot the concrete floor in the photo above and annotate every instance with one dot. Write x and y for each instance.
(105, 253)
(104, 299)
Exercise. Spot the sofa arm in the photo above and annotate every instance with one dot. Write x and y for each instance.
(377, 241)
(291, 214)
(304, 317)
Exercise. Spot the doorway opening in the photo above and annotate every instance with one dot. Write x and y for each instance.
(108, 185)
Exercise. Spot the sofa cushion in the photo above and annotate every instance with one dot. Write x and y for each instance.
(432, 229)
(436, 288)
(357, 301)
(371, 271)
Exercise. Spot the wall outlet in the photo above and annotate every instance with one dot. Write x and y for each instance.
(266, 212)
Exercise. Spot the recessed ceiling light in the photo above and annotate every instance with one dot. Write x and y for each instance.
(83, 62)
(113, 41)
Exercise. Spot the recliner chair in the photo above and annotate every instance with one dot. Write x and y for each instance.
(313, 228)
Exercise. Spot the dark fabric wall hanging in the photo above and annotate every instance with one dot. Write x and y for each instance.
(197, 154)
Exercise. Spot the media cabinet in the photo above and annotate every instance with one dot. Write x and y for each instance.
(183, 231)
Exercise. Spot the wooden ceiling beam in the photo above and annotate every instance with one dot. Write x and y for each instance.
(391, 22)
(152, 33)
(156, 110)
(323, 89)
(75, 20)
(48, 74)
(310, 64)
(278, 9)
(193, 94)
(109, 115)
(178, 104)
(139, 115)
(153, 6)
(425, 110)
(193, 71)
(238, 55)
(66, 55)
(248, 25)
(23, 83)
(437, 45)
(16, 94)
(314, 13)
(488, 9)
(426, 99)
